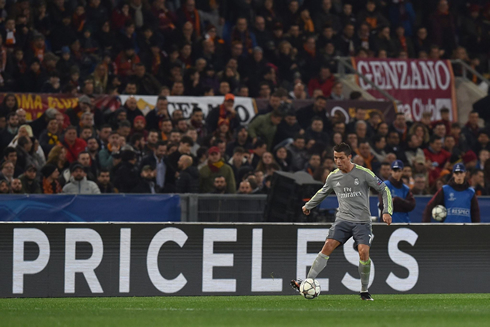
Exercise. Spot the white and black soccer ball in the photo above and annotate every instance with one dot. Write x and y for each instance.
(309, 288)
(439, 213)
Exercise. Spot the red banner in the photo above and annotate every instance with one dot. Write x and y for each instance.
(37, 103)
(420, 85)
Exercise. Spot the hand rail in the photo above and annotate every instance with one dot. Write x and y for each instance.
(470, 69)
(344, 62)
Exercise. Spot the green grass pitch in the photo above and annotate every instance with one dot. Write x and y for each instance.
(327, 310)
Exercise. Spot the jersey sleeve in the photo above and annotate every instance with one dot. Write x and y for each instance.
(378, 185)
(321, 194)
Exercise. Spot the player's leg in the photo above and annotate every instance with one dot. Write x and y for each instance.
(339, 233)
(321, 259)
(363, 236)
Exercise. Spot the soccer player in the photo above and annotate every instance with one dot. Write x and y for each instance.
(403, 200)
(351, 184)
(458, 198)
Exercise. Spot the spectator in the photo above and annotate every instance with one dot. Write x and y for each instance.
(315, 132)
(337, 90)
(104, 182)
(158, 114)
(146, 183)
(4, 187)
(188, 180)
(471, 128)
(324, 81)
(393, 146)
(215, 167)
(30, 185)
(78, 182)
(413, 150)
(379, 144)
(73, 144)
(318, 108)
(50, 184)
(245, 188)
(16, 186)
(445, 120)
(146, 83)
(8, 134)
(288, 127)
(437, 158)
(223, 111)
(443, 27)
(265, 127)
(477, 182)
(126, 177)
(184, 148)
(220, 186)
(23, 148)
(385, 171)
(313, 164)
(370, 160)
(242, 139)
(7, 172)
(420, 186)
(156, 160)
(132, 110)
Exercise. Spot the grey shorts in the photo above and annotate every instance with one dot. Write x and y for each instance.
(342, 230)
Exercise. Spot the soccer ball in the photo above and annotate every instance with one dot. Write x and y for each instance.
(439, 213)
(309, 288)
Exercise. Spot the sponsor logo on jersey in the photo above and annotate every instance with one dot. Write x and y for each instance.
(348, 193)
(460, 212)
(356, 181)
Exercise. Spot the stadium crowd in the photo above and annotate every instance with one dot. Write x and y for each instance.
(275, 50)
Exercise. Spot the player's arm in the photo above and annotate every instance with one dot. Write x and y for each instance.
(374, 182)
(437, 199)
(319, 196)
(475, 210)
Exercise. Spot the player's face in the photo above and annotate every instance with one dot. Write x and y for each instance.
(341, 160)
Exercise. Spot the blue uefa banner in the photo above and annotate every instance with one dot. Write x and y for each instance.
(90, 208)
(417, 213)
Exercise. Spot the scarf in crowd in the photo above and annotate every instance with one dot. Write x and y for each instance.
(223, 113)
(403, 42)
(194, 18)
(39, 53)
(53, 139)
(10, 38)
(3, 59)
(51, 188)
(308, 26)
(138, 15)
(215, 167)
(244, 38)
(312, 53)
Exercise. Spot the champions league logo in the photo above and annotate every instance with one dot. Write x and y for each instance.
(451, 197)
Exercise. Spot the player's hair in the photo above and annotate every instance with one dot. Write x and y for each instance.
(343, 147)
(10, 150)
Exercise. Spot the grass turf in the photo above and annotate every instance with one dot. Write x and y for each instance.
(333, 310)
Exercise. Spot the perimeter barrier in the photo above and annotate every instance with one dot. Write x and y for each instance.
(150, 259)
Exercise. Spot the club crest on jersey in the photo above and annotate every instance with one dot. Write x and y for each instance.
(356, 181)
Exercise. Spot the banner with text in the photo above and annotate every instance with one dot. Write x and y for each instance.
(346, 108)
(35, 104)
(70, 260)
(421, 85)
(245, 107)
